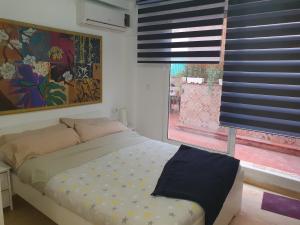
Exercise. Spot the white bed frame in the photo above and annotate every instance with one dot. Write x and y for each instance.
(63, 216)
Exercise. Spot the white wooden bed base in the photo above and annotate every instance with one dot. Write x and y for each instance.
(45, 205)
(63, 216)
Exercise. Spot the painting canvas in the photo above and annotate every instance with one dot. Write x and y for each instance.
(44, 68)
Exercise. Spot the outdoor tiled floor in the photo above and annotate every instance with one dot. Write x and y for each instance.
(287, 163)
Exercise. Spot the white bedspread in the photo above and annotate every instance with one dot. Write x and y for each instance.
(116, 189)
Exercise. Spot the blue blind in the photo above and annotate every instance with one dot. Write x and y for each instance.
(180, 31)
(261, 86)
(142, 2)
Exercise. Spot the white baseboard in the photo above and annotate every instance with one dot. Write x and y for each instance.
(271, 177)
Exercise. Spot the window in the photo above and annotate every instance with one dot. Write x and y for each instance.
(194, 106)
(269, 151)
(259, 85)
(194, 109)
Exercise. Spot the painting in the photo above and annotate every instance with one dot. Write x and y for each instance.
(44, 68)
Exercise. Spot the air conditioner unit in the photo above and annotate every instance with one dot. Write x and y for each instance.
(110, 14)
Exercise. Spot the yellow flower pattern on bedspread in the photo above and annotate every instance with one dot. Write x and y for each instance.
(116, 189)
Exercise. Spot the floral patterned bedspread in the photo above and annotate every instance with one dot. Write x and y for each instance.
(116, 189)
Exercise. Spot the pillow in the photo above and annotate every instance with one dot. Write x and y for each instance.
(92, 121)
(9, 137)
(88, 132)
(29, 146)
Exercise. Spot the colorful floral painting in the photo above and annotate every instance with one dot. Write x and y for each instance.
(43, 68)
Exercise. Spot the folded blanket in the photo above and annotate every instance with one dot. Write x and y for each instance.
(199, 176)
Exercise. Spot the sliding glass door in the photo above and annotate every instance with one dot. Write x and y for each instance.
(193, 119)
(269, 152)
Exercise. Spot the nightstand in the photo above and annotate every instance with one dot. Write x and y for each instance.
(6, 190)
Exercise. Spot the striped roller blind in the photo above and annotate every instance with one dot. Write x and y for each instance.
(261, 83)
(180, 31)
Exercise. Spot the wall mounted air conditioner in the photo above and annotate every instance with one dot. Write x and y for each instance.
(110, 14)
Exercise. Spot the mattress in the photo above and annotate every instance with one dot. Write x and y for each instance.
(110, 180)
(38, 171)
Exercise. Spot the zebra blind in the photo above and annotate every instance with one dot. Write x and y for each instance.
(261, 83)
(180, 31)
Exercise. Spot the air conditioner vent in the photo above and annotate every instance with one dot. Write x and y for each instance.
(100, 14)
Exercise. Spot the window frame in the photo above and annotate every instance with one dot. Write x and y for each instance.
(231, 140)
(165, 121)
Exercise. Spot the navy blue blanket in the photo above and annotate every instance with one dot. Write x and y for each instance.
(199, 176)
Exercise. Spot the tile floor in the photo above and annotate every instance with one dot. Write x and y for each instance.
(252, 214)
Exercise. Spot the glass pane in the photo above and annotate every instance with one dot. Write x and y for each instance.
(269, 151)
(194, 106)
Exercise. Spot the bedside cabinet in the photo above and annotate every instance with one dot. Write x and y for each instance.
(6, 190)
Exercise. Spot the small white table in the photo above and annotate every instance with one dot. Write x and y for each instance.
(6, 190)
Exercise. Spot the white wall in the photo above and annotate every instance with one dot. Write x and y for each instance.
(149, 95)
(62, 14)
(130, 55)
(152, 99)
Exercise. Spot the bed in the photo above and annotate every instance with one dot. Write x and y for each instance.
(108, 181)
